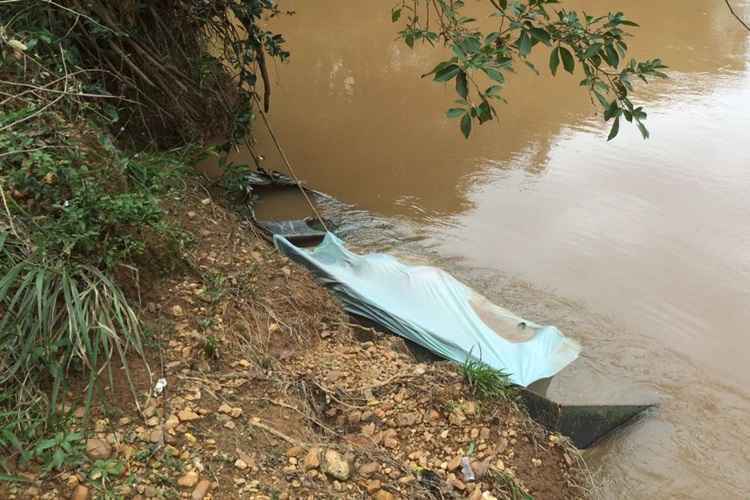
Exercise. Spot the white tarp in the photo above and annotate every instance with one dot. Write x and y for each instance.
(430, 307)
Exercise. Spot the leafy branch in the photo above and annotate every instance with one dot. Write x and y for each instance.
(480, 61)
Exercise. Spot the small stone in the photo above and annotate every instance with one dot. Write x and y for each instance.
(536, 462)
(177, 311)
(201, 490)
(233, 412)
(457, 484)
(390, 442)
(153, 421)
(384, 495)
(407, 419)
(369, 469)
(476, 494)
(191, 214)
(189, 480)
(373, 486)
(206, 201)
(474, 433)
(312, 459)
(171, 422)
(335, 466)
(454, 463)
(80, 493)
(187, 415)
(240, 464)
(368, 430)
(98, 449)
(295, 451)
(156, 436)
(230, 425)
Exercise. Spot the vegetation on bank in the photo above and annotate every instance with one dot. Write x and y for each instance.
(101, 103)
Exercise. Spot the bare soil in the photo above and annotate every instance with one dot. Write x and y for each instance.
(272, 392)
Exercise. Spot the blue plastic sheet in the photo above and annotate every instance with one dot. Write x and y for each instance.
(431, 308)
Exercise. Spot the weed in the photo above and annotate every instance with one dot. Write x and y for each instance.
(211, 347)
(64, 448)
(486, 382)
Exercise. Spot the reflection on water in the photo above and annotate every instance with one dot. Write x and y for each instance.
(640, 250)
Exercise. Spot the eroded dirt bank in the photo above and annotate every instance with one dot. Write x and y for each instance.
(272, 393)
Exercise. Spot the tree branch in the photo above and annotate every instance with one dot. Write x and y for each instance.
(736, 16)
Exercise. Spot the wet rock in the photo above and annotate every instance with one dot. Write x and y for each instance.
(312, 460)
(335, 465)
(98, 449)
(80, 493)
(189, 480)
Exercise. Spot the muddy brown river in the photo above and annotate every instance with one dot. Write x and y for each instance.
(640, 250)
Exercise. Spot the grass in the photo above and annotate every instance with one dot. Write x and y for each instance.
(58, 317)
(486, 382)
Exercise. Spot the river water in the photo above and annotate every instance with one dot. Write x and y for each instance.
(640, 250)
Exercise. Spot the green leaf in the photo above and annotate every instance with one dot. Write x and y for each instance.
(466, 125)
(395, 14)
(541, 35)
(484, 112)
(643, 129)
(554, 60)
(455, 112)
(447, 73)
(493, 90)
(494, 74)
(613, 59)
(567, 60)
(462, 86)
(615, 129)
(524, 44)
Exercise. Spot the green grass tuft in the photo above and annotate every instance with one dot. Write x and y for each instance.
(486, 382)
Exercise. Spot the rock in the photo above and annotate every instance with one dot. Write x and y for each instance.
(156, 436)
(240, 464)
(390, 442)
(295, 451)
(177, 311)
(80, 493)
(454, 463)
(536, 462)
(187, 415)
(469, 408)
(476, 494)
(98, 449)
(230, 410)
(369, 469)
(457, 484)
(407, 419)
(384, 495)
(368, 430)
(201, 490)
(335, 466)
(480, 468)
(189, 480)
(153, 421)
(373, 486)
(32, 492)
(312, 459)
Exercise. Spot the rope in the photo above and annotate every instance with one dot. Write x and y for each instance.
(289, 167)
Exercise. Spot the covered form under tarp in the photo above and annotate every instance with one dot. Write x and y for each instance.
(431, 308)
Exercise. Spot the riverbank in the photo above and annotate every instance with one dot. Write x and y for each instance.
(271, 392)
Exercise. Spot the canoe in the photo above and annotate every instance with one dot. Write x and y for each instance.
(431, 308)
